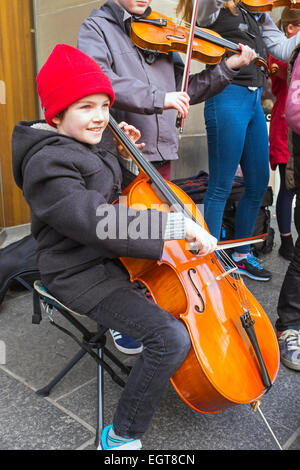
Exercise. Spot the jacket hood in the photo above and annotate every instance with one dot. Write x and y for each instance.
(27, 139)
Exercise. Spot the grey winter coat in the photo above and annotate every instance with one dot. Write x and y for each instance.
(140, 87)
(68, 185)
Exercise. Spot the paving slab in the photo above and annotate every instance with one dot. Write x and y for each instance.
(67, 418)
(32, 423)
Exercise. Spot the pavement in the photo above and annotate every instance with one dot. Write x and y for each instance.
(66, 419)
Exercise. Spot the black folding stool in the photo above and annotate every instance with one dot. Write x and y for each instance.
(91, 343)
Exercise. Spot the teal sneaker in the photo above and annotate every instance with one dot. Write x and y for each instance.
(250, 267)
(132, 444)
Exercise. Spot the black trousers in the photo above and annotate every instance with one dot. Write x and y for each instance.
(166, 343)
(288, 308)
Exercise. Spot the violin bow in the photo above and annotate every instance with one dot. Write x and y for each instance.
(226, 244)
(185, 78)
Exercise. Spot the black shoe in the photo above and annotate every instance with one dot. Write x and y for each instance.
(286, 249)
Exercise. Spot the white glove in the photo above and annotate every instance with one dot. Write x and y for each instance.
(199, 238)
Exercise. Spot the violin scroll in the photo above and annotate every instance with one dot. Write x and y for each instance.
(271, 70)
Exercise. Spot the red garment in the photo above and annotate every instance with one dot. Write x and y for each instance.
(278, 135)
(165, 171)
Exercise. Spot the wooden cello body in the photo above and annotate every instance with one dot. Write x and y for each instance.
(222, 368)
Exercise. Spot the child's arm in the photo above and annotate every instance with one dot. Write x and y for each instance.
(214, 79)
(57, 194)
(207, 83)
(277, 44)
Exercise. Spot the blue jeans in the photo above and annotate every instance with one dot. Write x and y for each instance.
(236, 134)
(166, 343)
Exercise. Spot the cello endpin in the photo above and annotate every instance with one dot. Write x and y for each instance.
(256, 407)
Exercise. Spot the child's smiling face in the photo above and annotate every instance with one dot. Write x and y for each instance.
(86, 119)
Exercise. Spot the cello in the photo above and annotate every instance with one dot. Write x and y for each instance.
(231, 361)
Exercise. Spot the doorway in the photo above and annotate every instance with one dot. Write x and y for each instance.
(18, 98)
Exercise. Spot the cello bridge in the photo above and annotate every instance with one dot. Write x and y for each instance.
(224, 274)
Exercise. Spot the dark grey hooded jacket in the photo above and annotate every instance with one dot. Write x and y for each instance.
(140, 87)
(68, 186)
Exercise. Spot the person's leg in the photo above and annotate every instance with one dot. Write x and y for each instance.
(166, 343)
(255, 169)
(125, 343)
(226, 117)
(288, 308)
(284, 216)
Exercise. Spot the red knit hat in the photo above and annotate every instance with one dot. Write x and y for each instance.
(67, 76)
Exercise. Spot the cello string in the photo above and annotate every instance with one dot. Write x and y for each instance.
(229, 263)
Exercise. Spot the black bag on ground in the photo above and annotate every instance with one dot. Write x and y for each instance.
(18, 264)
(262, 224)
(196, 187)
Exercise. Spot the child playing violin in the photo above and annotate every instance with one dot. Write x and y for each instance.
(147, 87)
(69, 182)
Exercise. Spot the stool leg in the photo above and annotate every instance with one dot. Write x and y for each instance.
(45, 391)
(113, 358)
(100, 399)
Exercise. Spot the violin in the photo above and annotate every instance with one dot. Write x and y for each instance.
(234, 357)
(292, 4)
(259, 5)
(268, 5)
(157, 32)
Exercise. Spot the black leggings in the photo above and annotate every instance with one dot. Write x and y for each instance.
(284, 203)
(289, 300)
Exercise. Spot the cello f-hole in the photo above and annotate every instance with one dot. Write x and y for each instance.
(197, 308)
